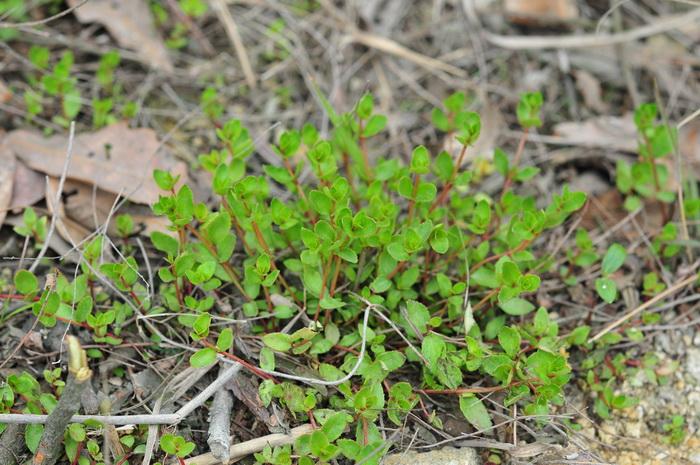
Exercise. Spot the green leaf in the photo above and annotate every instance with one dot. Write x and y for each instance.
(509, 339)
(607, 289)
(203, 358)
(433, 347)
(32, 436)
(280, 342)
(614, 258)
(375, 125)
(225, 340)
(517, 306)
(335, 425)
(475, 412)
(26, 282)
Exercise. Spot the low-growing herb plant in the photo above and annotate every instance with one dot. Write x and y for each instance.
(387, 281)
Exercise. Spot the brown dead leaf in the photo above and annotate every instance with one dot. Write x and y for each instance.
(7, 173)
(5, 92)
(613, 132)
(689, 145)
(117, 159)
(538, 12)
(70, 230)
(131, 24)
(27, 189)
(89, 208)
(590, 89)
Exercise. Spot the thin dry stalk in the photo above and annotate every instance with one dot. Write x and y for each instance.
(660, 26)
(226, 19)
(243, 449)
(57, 200)
(671, 290)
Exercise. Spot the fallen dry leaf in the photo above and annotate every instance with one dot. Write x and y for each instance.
(7, 173)
(590, 89)
(26, 190)
(70, 230)
(91, 207)
(117, 159)
(5, 92)
(613, 132)
(530, 12)
(689, 146)
(131, 24)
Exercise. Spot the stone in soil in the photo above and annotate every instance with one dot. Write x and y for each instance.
(444, 456)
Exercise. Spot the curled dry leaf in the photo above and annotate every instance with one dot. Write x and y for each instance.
(612, 132)
(70, 230)
(87, 209)
(7, 173)
(116, 159)
(539, 12)
(591, 90)
(27, 189)
(131, 24)
(5, 92)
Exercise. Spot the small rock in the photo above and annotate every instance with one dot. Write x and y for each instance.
(695, 458)
(445, 456)
(693, 363)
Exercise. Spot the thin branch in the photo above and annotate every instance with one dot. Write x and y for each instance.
(671, 290)
(225, 17)
(39, 22)
(59, 192)
(661, 25)
(243, 449)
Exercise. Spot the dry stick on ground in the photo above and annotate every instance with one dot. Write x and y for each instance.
(39, 22)
(661, 25)
(225, 17)
(158, 419)
(393, 48)
(12, 445)
(220, 424)
(671, 290)
(57, 200)
(79, 375)
(243, 449)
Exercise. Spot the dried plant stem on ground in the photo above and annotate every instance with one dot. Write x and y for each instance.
(661, 25)
(243, 449)
(57, 201)
(671, 290)
(49, 449)
(220, 424)
(12, 445)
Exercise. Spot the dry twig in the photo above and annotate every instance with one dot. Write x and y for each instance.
(661, 25)
(232, 31)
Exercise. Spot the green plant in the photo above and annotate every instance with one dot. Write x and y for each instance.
(176, 445)
(33, 227)
(51, 85)
(675, 430)
(387, 281)
(432, 237)
(647, 178)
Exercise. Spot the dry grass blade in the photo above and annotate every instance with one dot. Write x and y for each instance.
(243, 449)
(225, 17)
(662, 295)
(394, 48)
(661, 25)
